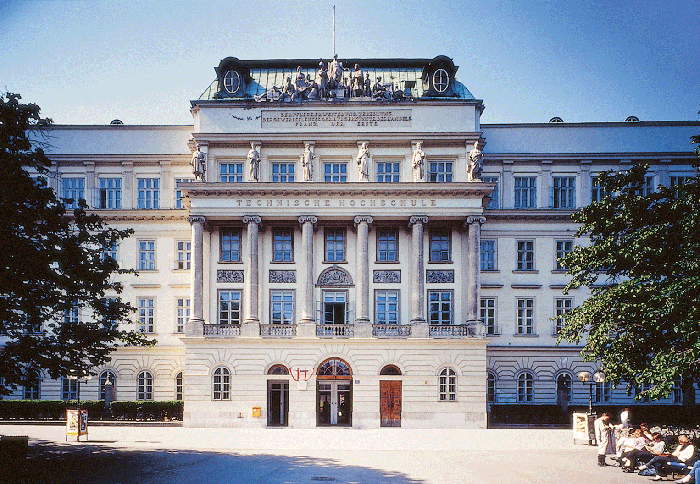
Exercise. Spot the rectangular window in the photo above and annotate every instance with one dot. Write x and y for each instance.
(525, 192)
(229, 307)
(184, 254)
(69, 389)
(183, 313)
(178, 192)
(386, 307)
(72, 314)
(73, 190)
(282, 172)
(563, 248)
(335, 245)
(526, 255)
(678, 181)
(494, 203)
(526, 316)
(564, 192)
(388, 171)
(179, 386)
(440, 307)
(335, 309)
(487, 315)
(561, 306)
(283, 245)
(440, 171)
(110, 193)
(597, 192)
(440, 250)
(110, 251)
(603, 391)
(335, 172)
(230, 245)
(231, 172)
(149, 193)
(147, 255)
(488, 255)
(31, 392)
(646, 188)
(147, 313)
(282, 307)
(387, 245)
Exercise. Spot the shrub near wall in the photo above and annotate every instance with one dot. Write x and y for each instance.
(56, 410)
(685, 415)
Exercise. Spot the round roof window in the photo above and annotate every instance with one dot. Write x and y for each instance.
(232, 82)
(441, 80)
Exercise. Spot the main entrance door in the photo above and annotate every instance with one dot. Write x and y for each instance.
(277, 403)
(390, 403)
(334, 393)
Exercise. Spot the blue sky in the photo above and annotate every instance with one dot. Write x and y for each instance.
(88, 62)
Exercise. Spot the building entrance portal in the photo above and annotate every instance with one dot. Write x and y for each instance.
(390, 403)
(334, 393)
(278, 403)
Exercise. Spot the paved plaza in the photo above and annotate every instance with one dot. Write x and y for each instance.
(147, 455)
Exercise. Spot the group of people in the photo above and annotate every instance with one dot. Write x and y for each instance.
(645, 450)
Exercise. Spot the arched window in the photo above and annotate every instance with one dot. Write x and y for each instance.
(334, 369)
(31, 390)
(278, 370)
(144, 390)
(447, 382)
(390, 370)
(525, 387)
(564, 388)
(490, 387)
(221, 383)
(179, 386)
(104, 376)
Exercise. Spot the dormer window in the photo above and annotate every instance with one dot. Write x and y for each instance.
(232, 82)
(441, 80)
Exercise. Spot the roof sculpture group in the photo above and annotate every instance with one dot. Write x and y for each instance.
(331, 83)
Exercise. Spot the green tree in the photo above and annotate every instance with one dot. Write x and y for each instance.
(52, 263)
(642, 320)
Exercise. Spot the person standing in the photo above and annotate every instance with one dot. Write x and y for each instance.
(605, 437)
(625, 418)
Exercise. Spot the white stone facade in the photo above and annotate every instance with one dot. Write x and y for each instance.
(239, 275)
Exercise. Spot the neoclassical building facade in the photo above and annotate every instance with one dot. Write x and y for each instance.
(349, 246)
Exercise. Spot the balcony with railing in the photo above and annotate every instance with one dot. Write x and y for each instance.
(335, 330)
(278, 330)
(222, 330)
(468, 330)
(391, 330)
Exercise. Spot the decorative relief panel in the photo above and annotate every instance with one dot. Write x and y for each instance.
(229, 276)
(435, 277)
(283, 276)
(387, 277)
(334, 276)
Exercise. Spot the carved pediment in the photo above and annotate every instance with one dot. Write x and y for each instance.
(334, 276)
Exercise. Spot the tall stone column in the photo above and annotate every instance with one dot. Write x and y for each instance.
(363, 328)
(307, 323)
(473, 224)
(195, 325)
(419, 326)
(251, 324)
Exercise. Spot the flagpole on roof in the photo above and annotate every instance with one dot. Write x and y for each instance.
(334, 30)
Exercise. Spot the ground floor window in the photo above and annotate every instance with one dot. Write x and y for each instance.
(448, 385)
(525, 387)
(144, 383)
(221, 384)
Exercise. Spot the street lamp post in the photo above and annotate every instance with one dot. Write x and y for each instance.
(78, 379)
(586, 378)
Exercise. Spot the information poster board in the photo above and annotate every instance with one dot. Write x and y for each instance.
(583, 429)
(76, 424)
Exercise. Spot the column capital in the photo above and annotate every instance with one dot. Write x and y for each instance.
(307, 218)
(473, 219)
(363, 218)
(255, 219)
(417, 219)
(196, 218)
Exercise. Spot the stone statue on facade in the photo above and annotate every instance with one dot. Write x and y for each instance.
(307, 162)
(379, 89)
(254, 162)
(418, 163)
(357, 82)
(335, 72)
(476, 163)
(368, 86)
(300, 85)
(363, 160)
(322, 79)
(288, 89)
(199, 163)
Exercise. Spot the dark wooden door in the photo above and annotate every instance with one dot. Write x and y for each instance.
(390, 403)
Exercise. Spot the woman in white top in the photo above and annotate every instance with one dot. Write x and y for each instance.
(683, 453)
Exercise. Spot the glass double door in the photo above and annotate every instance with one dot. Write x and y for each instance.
(334, 403)
(278, 403)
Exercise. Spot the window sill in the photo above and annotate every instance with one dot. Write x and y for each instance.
(182, 270)
(335, 262)
(280, 262)
(559, 271)
(525, 271)
(490, 271)
(146, 270)
(440, 262)
(233, 262)
(516, 335)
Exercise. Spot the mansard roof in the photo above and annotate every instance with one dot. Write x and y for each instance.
(261, 76)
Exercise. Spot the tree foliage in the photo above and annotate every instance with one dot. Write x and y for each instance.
(51, 261)
(642, 320)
